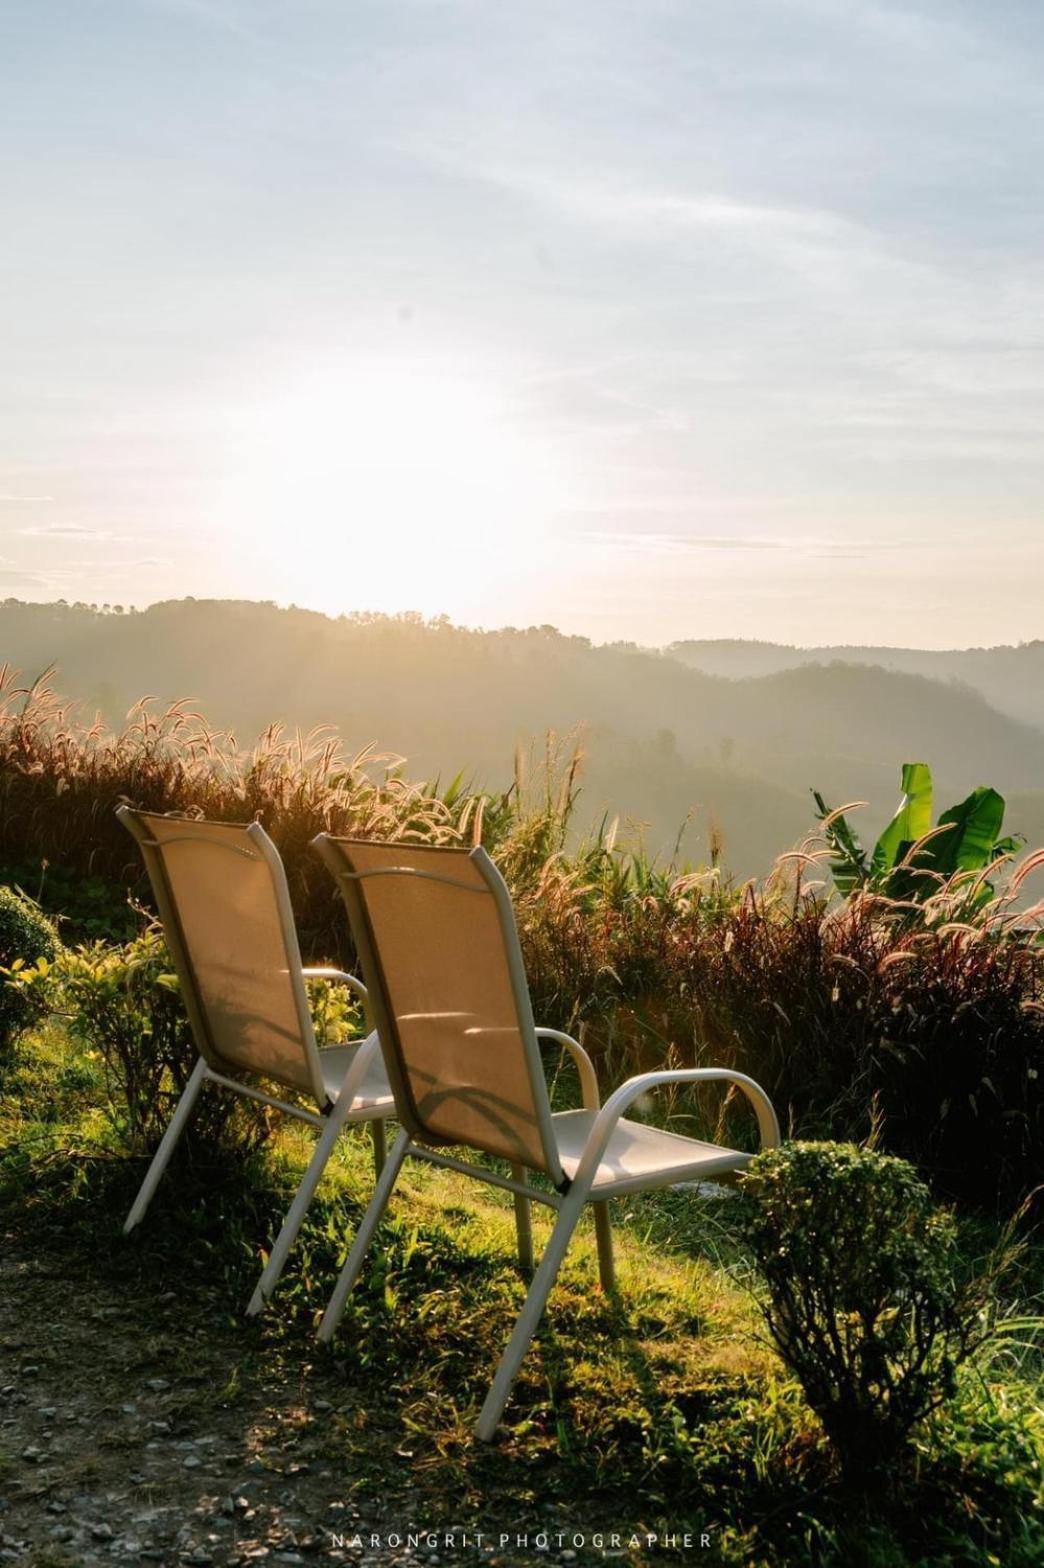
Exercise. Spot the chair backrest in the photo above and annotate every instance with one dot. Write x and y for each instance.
(221, 892)
(439, 951)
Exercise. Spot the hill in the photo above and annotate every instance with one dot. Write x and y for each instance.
(662, 738)
(1011, 678)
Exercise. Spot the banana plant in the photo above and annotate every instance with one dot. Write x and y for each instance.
(911, 859)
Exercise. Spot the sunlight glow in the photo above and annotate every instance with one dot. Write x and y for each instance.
(416, 489)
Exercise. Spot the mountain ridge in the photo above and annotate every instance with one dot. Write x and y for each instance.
(661, 735)
(1009, 675)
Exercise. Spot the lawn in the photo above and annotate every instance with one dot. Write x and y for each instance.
(146, 1419)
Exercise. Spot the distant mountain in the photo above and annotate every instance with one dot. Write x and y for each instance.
(663, 738)
(1011, 678)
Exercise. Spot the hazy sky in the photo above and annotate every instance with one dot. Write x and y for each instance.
(648, 319)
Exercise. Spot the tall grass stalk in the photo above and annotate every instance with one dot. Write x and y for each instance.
(926, 1019)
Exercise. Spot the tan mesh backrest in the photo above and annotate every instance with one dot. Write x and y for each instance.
(435, 957)
(218, 888)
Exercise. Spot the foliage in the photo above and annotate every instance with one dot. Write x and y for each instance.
(911, 860)
(61, 780)
(925, 1015)
(865, 1303)
(656, 1408)
(337, 1013)
(84, 908)
(27, 940)
(123, 1003)
(932, 1028)
(847, 1015)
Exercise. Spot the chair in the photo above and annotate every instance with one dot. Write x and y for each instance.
(439, 949)
(221, 892)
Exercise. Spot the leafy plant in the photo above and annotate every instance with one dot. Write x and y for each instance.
(84, 907)
(28, 940)
(930, 1009)
(124, 1004)
(337, 1013)
(61, 779)
(866, 1303)
(911, 859)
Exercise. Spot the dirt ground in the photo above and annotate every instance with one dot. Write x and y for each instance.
(123, 1441)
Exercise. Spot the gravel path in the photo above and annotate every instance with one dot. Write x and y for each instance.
(120, 1443)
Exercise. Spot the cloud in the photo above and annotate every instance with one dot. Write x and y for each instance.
(13, 577)
(629, 206)
(77, 531)
(675, 544)
(210, 14)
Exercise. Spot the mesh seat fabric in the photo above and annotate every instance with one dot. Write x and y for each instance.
(241, 961)
(638, 1156)
(439, 973)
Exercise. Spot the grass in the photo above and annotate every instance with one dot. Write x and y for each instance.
(853, 1015)
(658, 1408)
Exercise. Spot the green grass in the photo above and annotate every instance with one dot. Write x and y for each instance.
(656, 1409)
(850, 1014)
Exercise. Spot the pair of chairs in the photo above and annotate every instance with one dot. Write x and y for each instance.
(454, 1058)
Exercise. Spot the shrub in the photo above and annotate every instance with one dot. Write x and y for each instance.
(865, 1301)
(124, 1004)
(337, 1013)
(941, 1028)
(843, 1013)
(928, 1014)
(28, 940)
(61, 780)
(85, 908)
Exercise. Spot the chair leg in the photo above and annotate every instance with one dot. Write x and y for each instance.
(523, 1224)
(364, 1235)
(380, 1146)
(168, 1143)
(299, 1208)
(604, 1236)
(531, 1313)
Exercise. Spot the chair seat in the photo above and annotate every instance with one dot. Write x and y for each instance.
(373, 1094)
(638, 1157)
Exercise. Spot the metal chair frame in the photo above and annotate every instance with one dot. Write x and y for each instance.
(330, 1115)
(570, 1195)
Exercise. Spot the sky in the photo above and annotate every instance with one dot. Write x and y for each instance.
(652, 320)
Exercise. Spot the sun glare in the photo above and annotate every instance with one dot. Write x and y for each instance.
(392, 489)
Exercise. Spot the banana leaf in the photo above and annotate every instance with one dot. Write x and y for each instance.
(971, 843)
(911, 822)
(848, 857)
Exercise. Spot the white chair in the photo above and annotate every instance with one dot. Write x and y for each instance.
(438, 946)
(221, 893)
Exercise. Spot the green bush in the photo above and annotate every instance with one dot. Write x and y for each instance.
(28, 941)
(124, 1003)
(865, 1304)
(924, 1016)
(84, 907)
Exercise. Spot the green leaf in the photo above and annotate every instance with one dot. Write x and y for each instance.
(972, 842)
(848, 857)
(911, 822)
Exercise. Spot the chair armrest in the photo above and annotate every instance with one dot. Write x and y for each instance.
(634, 1088)
(360, 1065)
(350, 981)
(585, 1066)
